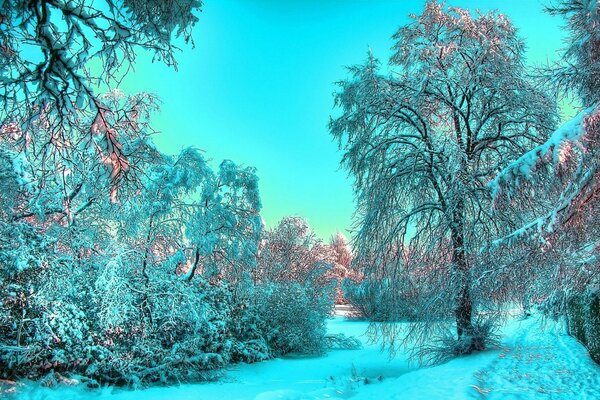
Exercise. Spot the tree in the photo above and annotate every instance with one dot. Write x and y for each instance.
(294, 291)
(341, 264)
(341, 250)
(578, 72)
(422, 144)
(135, 290)
(54, 53)
(48, 47)
(292, 253)
(555, 187)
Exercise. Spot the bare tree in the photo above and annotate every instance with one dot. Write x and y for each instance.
(422, 143)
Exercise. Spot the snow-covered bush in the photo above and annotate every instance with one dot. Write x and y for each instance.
(184, 337)
(17, 312)
(576, 318)
(382, 298)
(448, 346)
(341, 261)
(126, 278)
(151, 275)
(383, 301)
(248, 328)
(293, 316)
(50, 330)
(366, 300)
(592, 324)
(24, 254)
(294, 292)
(181, 332)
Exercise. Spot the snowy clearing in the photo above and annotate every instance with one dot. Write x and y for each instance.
(535, 362)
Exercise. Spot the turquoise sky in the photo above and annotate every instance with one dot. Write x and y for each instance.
(257, 89)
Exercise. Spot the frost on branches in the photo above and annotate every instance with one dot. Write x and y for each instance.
(550, 252)
(549, 197)
(55, 54)
(295, 287)
(422, 143)
(149, 276)
(570, 153)
(578, 73)
(47, 47)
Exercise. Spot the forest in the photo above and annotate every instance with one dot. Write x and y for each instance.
(127, 268)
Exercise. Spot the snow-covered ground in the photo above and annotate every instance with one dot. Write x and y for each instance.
(533, 363)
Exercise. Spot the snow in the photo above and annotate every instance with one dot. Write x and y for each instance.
(535, 361)
(570, 132)
(538, 363)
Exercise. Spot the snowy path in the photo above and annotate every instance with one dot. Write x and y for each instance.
(535, 364)
(532, 364)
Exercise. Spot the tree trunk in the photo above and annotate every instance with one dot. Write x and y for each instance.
(464, 306)
(145, 303)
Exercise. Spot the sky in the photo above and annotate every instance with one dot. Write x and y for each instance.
(257, 89)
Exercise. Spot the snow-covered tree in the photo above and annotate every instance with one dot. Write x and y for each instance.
(55, 55)
(340, 247)
(341, 262)
(579, 70)
(552, 190)
(422, 143)
(72, 169)
(54, 52)
(130, 279)
(291, 253)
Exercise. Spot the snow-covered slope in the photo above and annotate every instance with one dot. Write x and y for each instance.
(533, 363)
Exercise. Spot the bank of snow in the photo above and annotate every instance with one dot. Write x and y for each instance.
(532, 363)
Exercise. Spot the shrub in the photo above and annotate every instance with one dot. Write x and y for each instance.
(448, 346)
(175, 331)
(576, 318)
(294, 316)
(383, 301)
(592, 325)
(246, 327)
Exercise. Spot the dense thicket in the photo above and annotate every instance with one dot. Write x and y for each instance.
(151, 279)
(118, 262)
